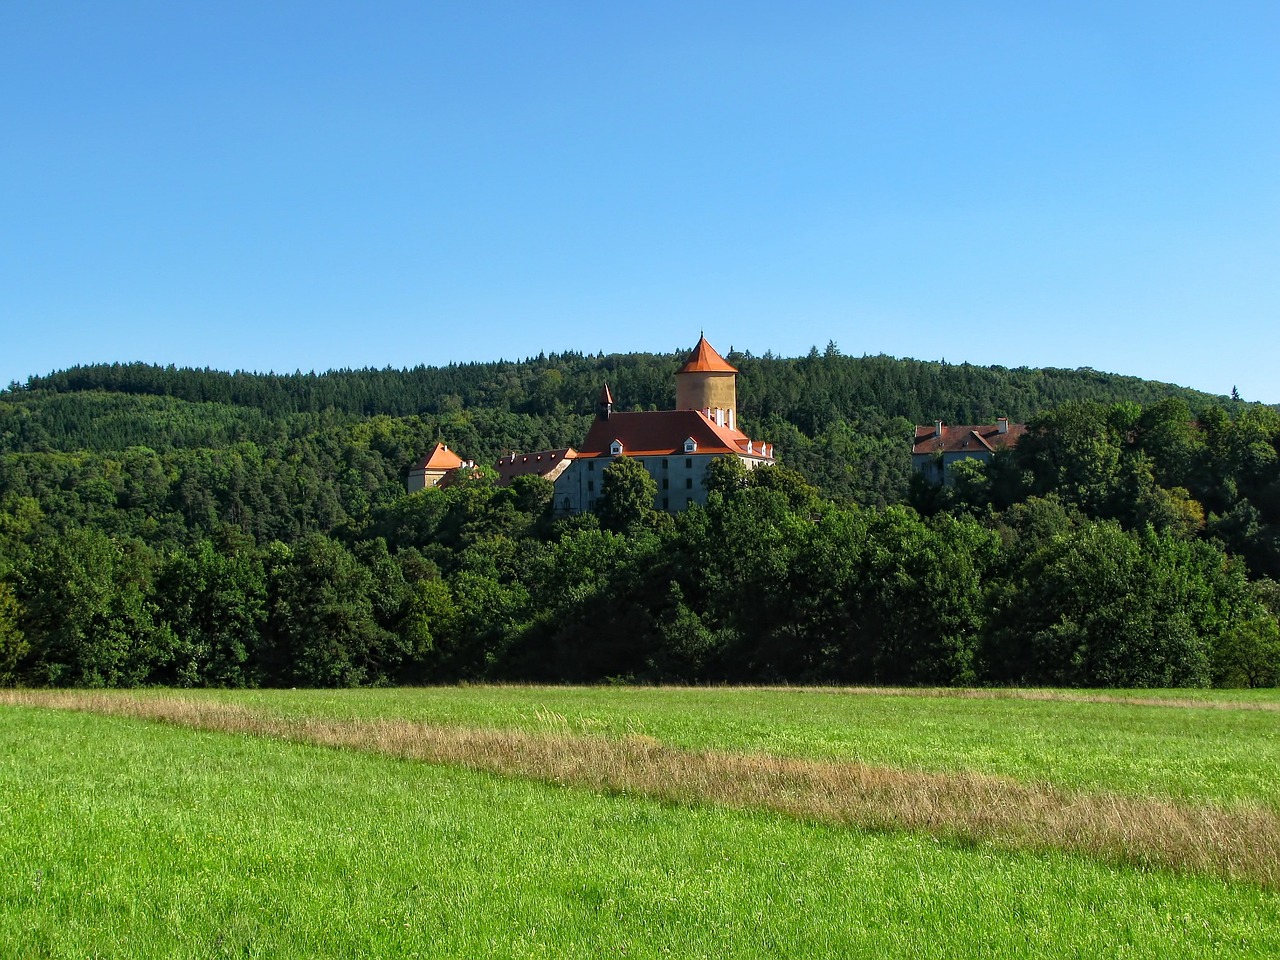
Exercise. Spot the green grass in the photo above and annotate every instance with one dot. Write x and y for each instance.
(120, 838)
(1209, 754)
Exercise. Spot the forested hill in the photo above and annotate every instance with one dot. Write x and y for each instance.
(191, 527)
(808, 391)
(845, 422)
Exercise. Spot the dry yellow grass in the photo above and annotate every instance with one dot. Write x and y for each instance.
(1241, 842)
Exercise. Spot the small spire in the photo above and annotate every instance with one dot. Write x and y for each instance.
(604, 406)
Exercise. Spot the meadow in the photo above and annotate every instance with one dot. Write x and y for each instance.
(591, 822)
(1207, 745)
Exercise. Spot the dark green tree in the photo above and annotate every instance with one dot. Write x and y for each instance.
(13, 643)
(322, 628)
(215, 602)
(627, 494)
(89, 615)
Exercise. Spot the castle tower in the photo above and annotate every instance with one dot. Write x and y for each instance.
(707, 382)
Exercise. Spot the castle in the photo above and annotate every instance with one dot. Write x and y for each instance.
(674, 446)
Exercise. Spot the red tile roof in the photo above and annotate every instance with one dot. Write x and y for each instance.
(663, 433)
(440, 458)
(540, 464)
(966, 438)
(704, 359)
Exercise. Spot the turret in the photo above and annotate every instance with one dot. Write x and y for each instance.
(706, 382)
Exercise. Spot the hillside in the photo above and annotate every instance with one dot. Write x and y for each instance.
(195, 528)
(808, 391)
(843, 421)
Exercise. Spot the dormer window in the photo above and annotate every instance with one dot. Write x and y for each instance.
(615, 448)
(690, 445)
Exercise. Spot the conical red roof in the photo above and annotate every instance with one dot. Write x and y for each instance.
(440, 458)
(704, 359)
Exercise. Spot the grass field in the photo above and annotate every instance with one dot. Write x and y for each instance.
(122, 837)
(1217, 746)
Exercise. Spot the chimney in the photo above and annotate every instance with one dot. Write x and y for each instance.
(937, 428)
(1002, 424)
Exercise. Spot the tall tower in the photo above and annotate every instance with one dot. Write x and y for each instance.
(707, 382)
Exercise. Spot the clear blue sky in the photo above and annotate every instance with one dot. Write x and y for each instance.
(316, 184)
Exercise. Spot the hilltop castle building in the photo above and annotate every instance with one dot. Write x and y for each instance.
(674, 446)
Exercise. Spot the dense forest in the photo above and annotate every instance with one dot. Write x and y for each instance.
(192, 527)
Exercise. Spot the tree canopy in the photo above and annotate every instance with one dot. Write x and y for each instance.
(162, 526)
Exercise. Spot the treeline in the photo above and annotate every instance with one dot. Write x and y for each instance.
(845, 422)
(1215, 477)
(325, 480)
(769, 583)
(194, 527)
(808, 391)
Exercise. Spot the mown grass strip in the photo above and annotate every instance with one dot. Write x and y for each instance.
(1241, 843)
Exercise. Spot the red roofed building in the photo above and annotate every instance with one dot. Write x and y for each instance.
(436, 469)
(548, 464)
(675, 446)
(938, 446)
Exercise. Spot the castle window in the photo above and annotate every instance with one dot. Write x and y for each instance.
(591, 465)
(615, 448)
(591, 486)
(664, 463)
(665, 483)
(688, 483)
(690, 445)
(666, 504)
(688, 463)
